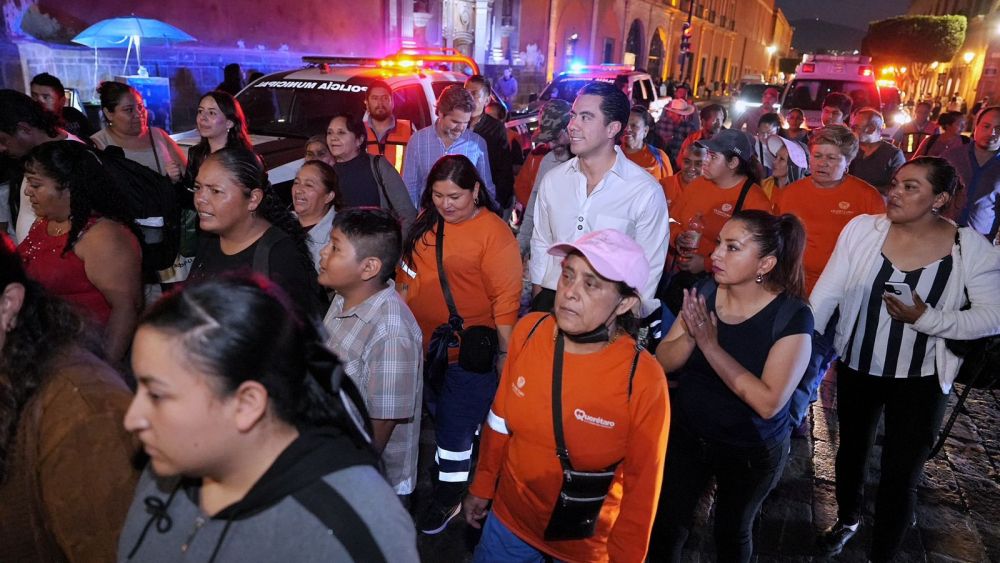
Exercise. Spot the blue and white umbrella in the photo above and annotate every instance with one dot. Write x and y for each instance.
(133, 32)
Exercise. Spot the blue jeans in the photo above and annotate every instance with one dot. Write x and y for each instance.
(459, 410)
(499, 545)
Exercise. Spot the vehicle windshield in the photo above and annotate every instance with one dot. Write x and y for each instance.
(809, 94)
(295, 111)
(565, 88)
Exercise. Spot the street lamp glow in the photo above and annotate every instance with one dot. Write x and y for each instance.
(968, 56)
(771, 49)
(934, 65)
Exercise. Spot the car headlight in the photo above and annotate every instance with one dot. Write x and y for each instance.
(741, 106)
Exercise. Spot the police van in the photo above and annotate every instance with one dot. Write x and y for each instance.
(818, 75)
(285, 108)
(638, 86)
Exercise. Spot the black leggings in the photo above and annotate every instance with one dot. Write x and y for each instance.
(744, 477)
(913, 411)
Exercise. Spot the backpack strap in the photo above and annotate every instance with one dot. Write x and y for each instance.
(262, 253)
(743, 195)
(152, 144)
(375, 161)
(330, 508)
(657, 155)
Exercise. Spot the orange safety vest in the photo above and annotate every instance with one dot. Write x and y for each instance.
(393, 145)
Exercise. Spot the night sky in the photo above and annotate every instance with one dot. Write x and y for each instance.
(853, 13)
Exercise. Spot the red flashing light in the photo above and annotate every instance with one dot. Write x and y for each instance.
(808, 67)
(865, 71)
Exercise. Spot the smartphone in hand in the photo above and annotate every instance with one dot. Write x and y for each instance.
(900, 291)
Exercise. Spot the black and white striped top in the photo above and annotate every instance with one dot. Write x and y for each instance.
(882, 346)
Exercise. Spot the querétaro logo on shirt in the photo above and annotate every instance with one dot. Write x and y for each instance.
(582, 416)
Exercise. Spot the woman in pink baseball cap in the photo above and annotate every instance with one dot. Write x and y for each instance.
(577, 398)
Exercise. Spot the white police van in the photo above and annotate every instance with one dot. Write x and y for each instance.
(285, 108)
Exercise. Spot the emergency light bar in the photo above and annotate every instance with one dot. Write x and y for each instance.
(581, 68)
(404, 59)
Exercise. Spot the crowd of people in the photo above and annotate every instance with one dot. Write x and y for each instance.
(660, 317)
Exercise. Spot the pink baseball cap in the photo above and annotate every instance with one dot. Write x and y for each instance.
(612, 254)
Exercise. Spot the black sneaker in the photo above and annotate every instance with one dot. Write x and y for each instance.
(435, 519)
(832, 541)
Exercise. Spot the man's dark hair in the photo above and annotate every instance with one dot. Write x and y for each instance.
(378, 84)
(374, 232)
(770, 119)
(949, 118)
(481, 80)
(614, 104)
(46, 79)
(841, 101)
(16, 107)
(706, 112)
(455, 97)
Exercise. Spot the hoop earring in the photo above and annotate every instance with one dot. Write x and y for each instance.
(760, 278)
(935, 211)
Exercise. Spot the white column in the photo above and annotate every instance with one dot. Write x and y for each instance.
(482, 31)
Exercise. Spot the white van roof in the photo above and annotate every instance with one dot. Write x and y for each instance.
(857, 68)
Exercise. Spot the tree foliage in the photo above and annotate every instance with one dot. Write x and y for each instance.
(915, 39)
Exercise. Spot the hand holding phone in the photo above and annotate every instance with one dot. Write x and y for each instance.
(900, 291)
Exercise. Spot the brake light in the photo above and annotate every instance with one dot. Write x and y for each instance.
(808, 67)
(865, 70)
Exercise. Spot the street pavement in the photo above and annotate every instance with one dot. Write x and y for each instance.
(958, 512)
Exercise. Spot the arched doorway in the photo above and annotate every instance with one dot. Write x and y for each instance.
(634, 42)
(655, 63)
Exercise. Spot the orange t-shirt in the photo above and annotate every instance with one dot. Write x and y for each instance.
(672, 189)
(483, 263)
(716, 206)
(658, 168)
(602, 425)
(525, 180)
(824, 212)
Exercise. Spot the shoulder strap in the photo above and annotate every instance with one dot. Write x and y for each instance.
(455, 319)
(557, 422)
(743, 195)
(262, 253)
(635, 364)
(327, 505)
(374, 160)
(152, 143)
(657, 155)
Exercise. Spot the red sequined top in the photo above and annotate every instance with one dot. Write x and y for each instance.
(61, 274)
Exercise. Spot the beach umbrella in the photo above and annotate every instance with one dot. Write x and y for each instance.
(130, 31)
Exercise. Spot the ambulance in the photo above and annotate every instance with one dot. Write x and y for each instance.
(818, 75)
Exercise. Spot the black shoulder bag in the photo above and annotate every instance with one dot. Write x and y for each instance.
(477, 345)
(583, 492)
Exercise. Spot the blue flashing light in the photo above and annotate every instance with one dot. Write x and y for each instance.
(577, 66)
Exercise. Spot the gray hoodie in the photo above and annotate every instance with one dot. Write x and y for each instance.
(271, 523)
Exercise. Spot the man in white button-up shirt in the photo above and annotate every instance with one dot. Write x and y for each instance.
(598, 189)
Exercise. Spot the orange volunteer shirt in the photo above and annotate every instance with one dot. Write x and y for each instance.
(483, 263)
(824, 212)
(602, 425)
(648, 162)
(716, 206)
(672, 188)
(525, 180)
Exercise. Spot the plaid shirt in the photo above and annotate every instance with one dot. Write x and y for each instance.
(425, 148)
(673, 128)
(380, 345)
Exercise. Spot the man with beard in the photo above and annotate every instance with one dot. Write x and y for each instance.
(387, 135)
(712, 118)
(978, 163)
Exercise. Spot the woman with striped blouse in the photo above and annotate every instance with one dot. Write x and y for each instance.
(893, 355)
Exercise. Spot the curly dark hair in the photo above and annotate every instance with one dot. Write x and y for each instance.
(45, 327)
(460, 170)
(93, 191)
(248, 172)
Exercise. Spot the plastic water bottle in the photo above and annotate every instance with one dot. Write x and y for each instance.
(695, 227)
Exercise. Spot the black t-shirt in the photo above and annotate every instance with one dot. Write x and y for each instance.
(286, 264)
(498, 149)
(708, 408)
(77, 123)
(357, 183)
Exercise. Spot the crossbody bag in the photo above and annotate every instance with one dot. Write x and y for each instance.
(582, 495)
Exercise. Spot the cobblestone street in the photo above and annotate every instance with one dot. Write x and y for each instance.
(958, 512)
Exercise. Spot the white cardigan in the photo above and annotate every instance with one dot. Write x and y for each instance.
(845, 280)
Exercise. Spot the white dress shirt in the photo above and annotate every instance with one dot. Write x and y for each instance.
(628, 199)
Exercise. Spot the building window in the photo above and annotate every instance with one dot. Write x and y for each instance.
(609, 51)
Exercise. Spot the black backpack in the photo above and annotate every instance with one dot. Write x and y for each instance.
(151, 199)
